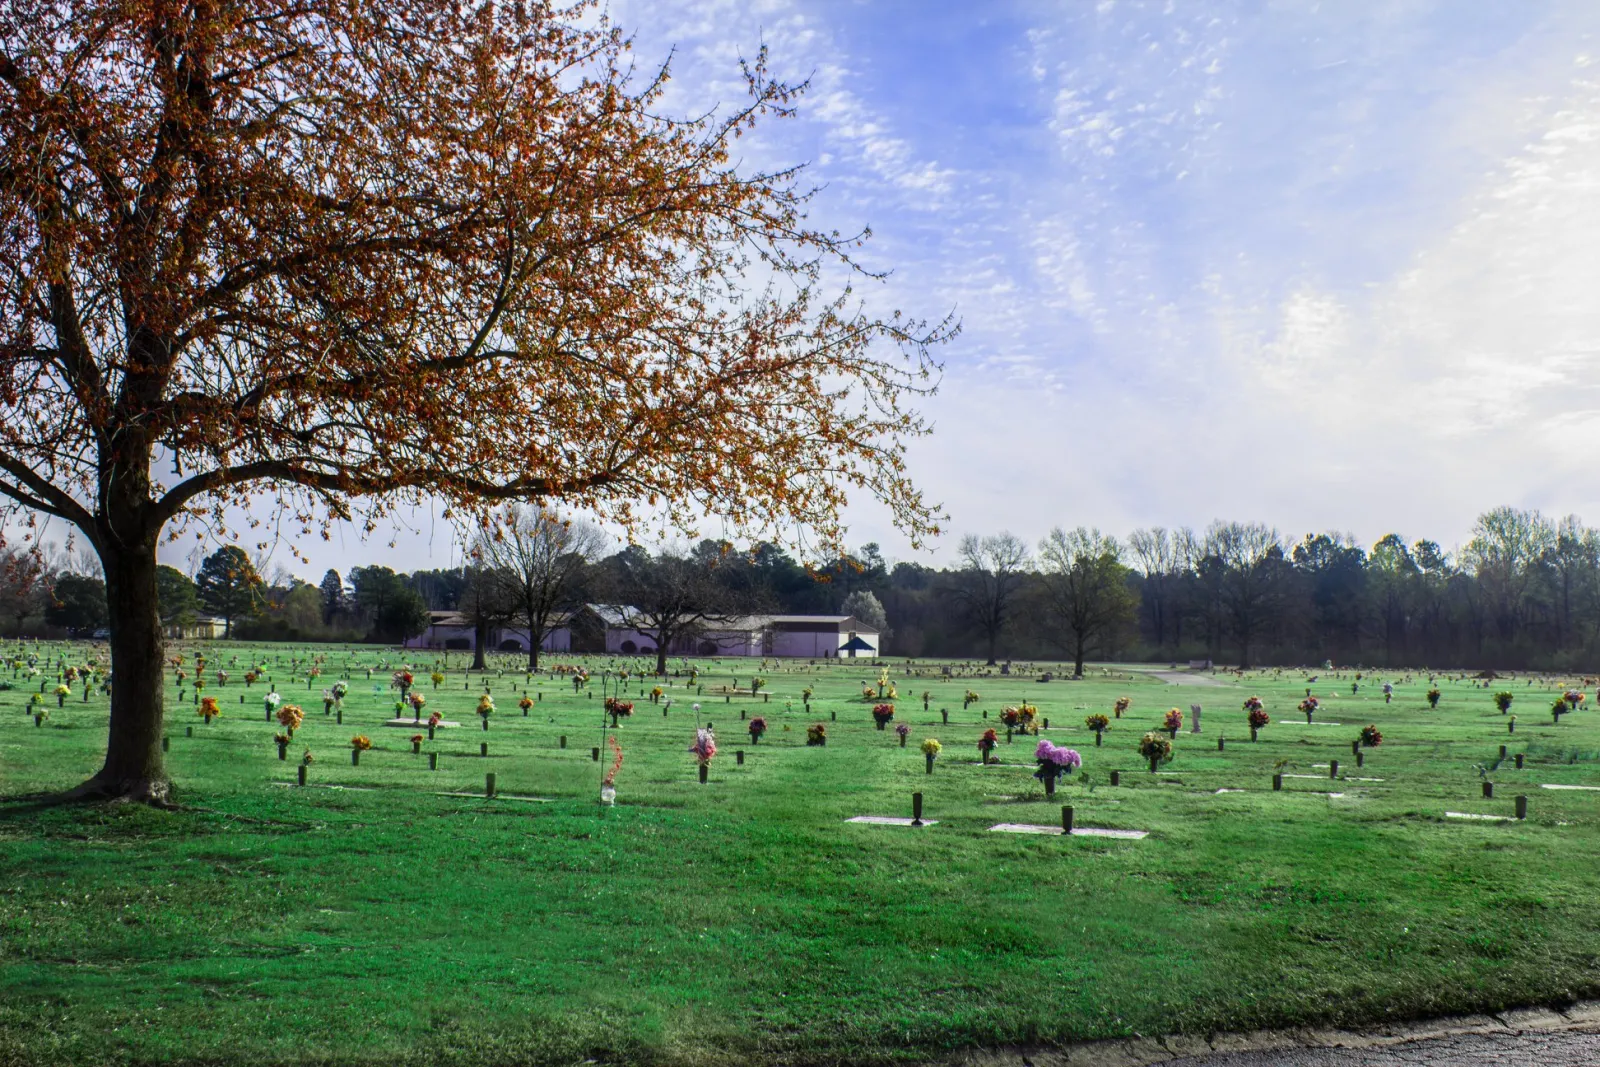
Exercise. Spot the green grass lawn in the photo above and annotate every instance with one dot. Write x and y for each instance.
(690, 924)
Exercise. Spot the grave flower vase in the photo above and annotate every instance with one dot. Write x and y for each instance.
(1153, 763)
(430, 733)
(880, 725)
(930, 763)
(355, 757)
(283, 750)
(1252, 733)
(416, 748)
(1511, 727)
(1308, 717)
(1099, 737)
(1173, 733)
(902, 742)
(1049, 785)
(38, 720)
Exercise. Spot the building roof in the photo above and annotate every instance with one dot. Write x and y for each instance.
(617, 616)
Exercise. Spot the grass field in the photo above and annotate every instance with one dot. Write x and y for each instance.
(368, 918)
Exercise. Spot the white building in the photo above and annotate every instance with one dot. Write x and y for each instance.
(783, 636)
(453, 630)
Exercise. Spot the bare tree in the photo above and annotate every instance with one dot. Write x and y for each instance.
(992, 570)
(1158, 556)
(543, 558)
(488, 602)
(1086, 590)
(670, 598)
(1505, 552)
(1248, 576)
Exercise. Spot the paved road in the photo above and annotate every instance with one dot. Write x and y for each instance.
(1183, 678)
(1527, 1049)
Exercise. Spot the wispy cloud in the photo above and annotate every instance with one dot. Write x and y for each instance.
(1329, 265)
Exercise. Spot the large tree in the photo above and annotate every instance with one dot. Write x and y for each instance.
(335, 256)
(672, 598)
(77, 603)
(543, 559)
(228, 584)
(177, 599)
(1088, 602)
(991, 575)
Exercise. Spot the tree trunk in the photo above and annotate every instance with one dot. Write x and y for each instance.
(661, 659)
(533, 653)
(1078, 657)
(993, 637)
(480, 637)
(133, 769)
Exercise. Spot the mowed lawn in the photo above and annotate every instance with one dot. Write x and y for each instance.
(742, 919)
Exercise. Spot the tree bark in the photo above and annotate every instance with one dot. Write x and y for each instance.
(134, 769)
(480, 637)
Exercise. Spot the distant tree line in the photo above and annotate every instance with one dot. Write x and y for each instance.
(1523, 592)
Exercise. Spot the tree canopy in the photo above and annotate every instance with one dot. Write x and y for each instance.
(344, 255)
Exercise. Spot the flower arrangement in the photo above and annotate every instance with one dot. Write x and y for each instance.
(902, 731)
(882, 713)
(1257, 717)
(417, 700)
(402, 680)
(209, 709)
(705, 746)
(434, 719)
(360, 742)
(1433, 698)
(618, 709)
(437, 679)
(757, 727)
(416, 744)
(62, 693)
(757, 684)
(1574, 698)
(251, 678)
(817, 734)
(222, 677)
(282, 741)
(526, 703)
(289, 717)
(1309, 707)
(1054, 760)
(656, 693)
(1122, 704)
(1503, 699)
(1559, 708)
(806, 694)
(1155, 748)
(931, 747)
(969, 699)
(1370, 737)
(1173, 722)
(307, 758)
(340, 691)
(1253, 704)
(986, 744)
(867, 692)
(271, 701)
(485, 705)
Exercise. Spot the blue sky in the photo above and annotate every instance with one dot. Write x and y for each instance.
(1327, 265)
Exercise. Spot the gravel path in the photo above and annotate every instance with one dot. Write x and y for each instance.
(1567, 1048)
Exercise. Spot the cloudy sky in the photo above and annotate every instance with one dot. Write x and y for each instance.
(1327, 265)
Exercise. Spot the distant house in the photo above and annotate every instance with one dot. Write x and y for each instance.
(450, 630)
(785, 636)
(203, 628)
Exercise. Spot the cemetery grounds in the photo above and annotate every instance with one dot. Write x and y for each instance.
(389, 911)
